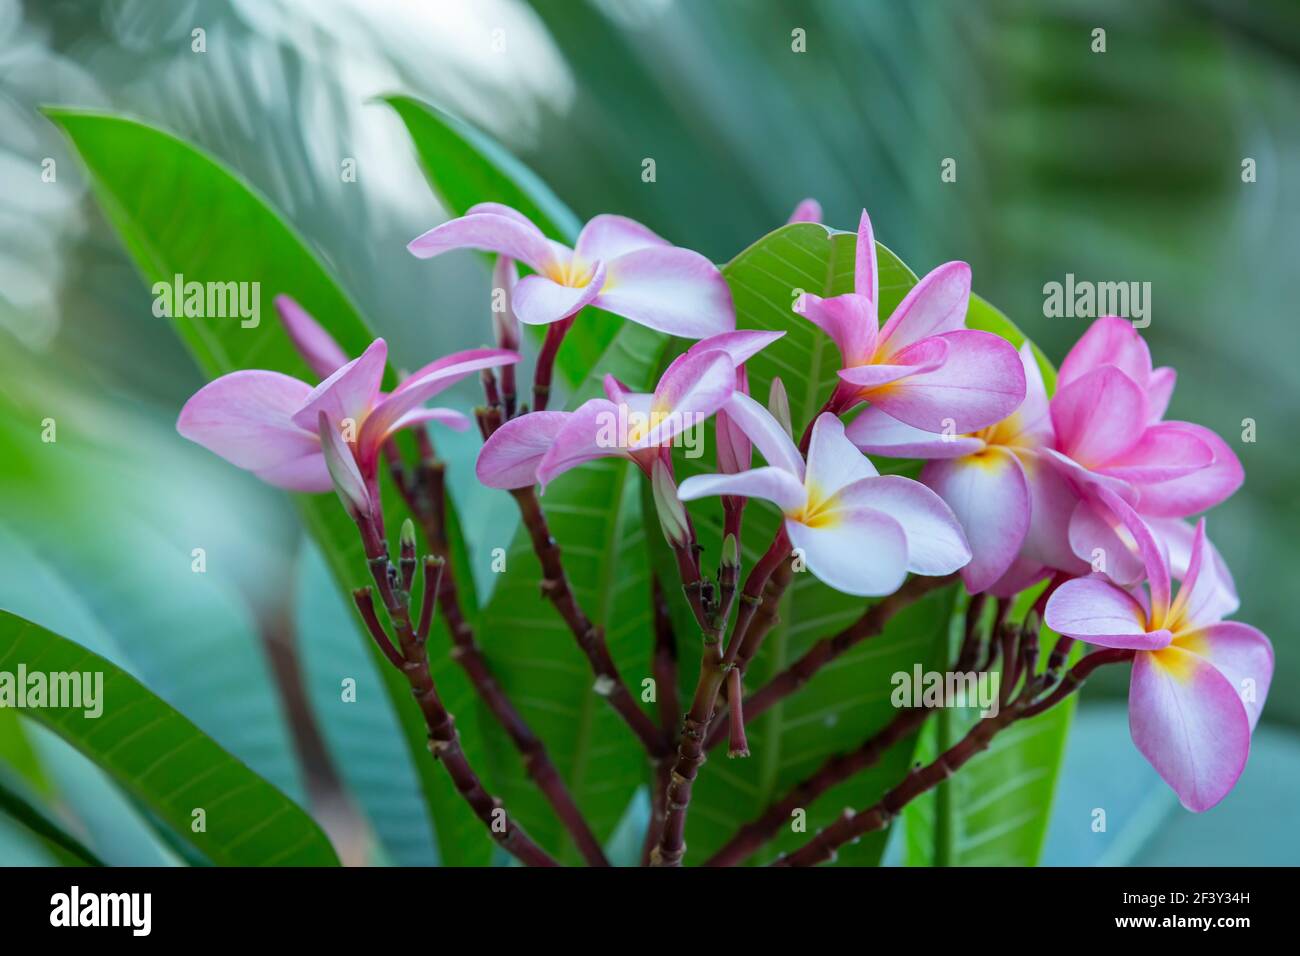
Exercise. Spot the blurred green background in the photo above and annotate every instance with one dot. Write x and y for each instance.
(1117, 166)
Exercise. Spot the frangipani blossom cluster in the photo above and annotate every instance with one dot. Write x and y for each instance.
(1088, 486)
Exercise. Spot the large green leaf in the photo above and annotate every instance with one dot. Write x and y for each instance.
(18, 802)
(595, 514)
(180, 211)
(465, 166)
(158, 755)
(846, 702)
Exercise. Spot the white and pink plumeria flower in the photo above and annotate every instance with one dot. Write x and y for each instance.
(271, 424)
(617, 265)
(541, 446)
(923, 367)
(1198, 683)
(860, 532)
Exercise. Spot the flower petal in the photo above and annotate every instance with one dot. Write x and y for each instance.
(349, 393)
(924, 356)
(766, 433)
(246, 418)
(741, 345)
(808, 210)
(1093, 609)
(511, 455)
(342, 467)
(590, 432)
(689, 392)
(317, 347)
(980, 382)
(1099, 539)
(443, 416)
(1021, 576)
(1099, 416)
(1110, 340)
(1052, 501)
(865, 279)
(1160, 388)
(771, 484)
(1031, 424)
(1201, 489)
(490, 230)
(1164, 452)
(1241, 654)
(1207, 594)
(936, 543)
(670, 290)
(878, 433)
(935, 305)
(607, 237)
(833, 460)
(1188, 721)
(860, 552)
(850, 321)
(989, 495)
(1157, 563)
(538, 300)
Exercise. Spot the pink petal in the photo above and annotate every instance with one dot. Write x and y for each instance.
(1110, 340)
(1188, 721)
(980, 383)
(1093, 609)
(1052, 502)
(990, 497)
(1160, 388)
(833, 460)
(741, 345)
(877, 433)
(342, 467)
(589, 432)
(865, 280)
(1096, 532)
(1098, 416)
(314, 344)
(808, 210)
(858, 552)
(246, 418)
(1201, 489)
(1163, 453)
(735, 452)
(489, 230)
(1021, 576)
(1030, 424)
(936, 543)
(935, 305)
(1207, 594)
(443, 416)
(1241, 654)
(1157, 564)
(689, 392)
(924, 356)
(418, 389)
(538, 300)
(771, 484)
(511, 455)
(505, 323)
(850, 321)
(349, 393)
(766, 433)
(670, 290)
(607, 237)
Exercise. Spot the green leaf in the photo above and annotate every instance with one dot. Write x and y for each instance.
(180, 211)
(159, 756)
(595, 514)
(17, 800)
(466, 166)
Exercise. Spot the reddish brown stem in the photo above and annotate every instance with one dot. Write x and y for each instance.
(545, 367)
(738, 746)
(590, 638)
(665, 660)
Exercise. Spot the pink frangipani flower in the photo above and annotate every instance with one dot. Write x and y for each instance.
(923, 367)
(317, 347)
(1107, 415)
(859, 531)
(808, 210)
(617, 265)
(1198, 683)
(1012, 505)
(640, 426)
(269, 423)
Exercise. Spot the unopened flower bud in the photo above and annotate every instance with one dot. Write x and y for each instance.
(671, 511)
(342, 465)
(505, 324)
(778, 403)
